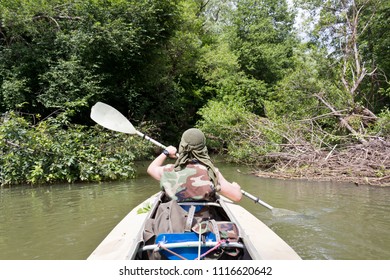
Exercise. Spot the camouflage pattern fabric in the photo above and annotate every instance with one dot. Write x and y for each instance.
(228, 231)
(189, 184)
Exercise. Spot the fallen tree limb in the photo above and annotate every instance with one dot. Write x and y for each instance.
(343, 122)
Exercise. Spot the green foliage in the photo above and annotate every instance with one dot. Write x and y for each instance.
(258, 137)
(52, 52)
(220, 120)
(382, 126)
(359, 51)
(68, 81)
(262, 38)
(293, 96)
(219, 67)
(14, 91)
(145, 209)
(54, 152)
(230, 126)
(374, 48)
(237, 63)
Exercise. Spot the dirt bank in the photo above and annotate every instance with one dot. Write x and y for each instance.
(367, 164)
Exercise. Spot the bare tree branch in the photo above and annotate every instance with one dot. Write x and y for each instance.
(343, 122)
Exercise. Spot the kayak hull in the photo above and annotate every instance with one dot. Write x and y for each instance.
(257, 240)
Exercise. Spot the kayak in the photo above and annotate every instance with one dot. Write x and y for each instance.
(255, 240)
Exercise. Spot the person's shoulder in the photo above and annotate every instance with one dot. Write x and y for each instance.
(168, 167)
(196, 165)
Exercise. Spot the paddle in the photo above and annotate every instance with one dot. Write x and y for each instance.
(112, 119)
(275, 211)
(257, 200)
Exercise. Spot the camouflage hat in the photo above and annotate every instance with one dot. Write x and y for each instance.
(192, 139)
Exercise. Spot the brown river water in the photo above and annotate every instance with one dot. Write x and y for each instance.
(320, 220)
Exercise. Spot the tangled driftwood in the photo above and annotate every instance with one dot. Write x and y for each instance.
(366, 163)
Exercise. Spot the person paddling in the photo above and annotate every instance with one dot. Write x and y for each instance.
(193, 176)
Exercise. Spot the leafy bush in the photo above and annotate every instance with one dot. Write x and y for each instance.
(245, 136)
(54, 151)
(221, 121)
(382, 125)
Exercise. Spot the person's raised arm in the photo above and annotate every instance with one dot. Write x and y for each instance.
(156, 168)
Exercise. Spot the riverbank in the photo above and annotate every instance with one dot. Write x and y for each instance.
(361, 164)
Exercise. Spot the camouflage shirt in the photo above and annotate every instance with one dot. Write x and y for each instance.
(189, 184)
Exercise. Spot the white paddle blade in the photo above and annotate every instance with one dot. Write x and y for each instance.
(111, 118)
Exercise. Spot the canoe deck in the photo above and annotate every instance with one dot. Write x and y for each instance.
(260, 242)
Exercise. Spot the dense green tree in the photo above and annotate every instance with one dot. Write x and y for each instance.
(263, 39)
(83, 50)
(335, 78)
(375, 42)
(139, 56)
(354, 35)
